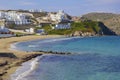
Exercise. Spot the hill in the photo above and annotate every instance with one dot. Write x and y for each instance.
(111, 21)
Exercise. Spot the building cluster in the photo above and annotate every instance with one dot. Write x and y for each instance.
(36, 10)
(59, 18)
(17, 18)
(62, 21)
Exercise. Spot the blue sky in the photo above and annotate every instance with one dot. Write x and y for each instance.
(72, 7)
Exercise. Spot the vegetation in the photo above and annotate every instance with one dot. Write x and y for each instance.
(86, 26)
(60, 31)
(18, 34)
(12, 26)
(39, 14)
(91, 26)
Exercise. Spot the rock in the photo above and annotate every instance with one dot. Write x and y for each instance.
(9, 55)
(3, 63)
(83, 34)
(2, 73)
(111, 21)
(29, 57)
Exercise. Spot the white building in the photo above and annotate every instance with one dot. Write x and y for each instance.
(31, 30)
(59, 16)
(4, 30)
(18, 18)
(36, 10)
(62, 26)
(2, 15)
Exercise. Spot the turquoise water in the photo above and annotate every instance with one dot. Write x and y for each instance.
(99, 45)
(95, 58)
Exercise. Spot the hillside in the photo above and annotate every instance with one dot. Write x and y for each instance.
(86, 28)
(111, 21)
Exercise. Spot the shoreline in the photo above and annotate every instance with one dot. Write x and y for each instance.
(19, 56)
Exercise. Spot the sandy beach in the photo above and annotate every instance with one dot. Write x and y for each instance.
(13, 63)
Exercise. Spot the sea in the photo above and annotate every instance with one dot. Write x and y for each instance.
(91, 58)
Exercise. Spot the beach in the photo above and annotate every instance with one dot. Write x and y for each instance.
(10, 64)
(89, 56)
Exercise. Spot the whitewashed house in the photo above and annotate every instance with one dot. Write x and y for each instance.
(18, 18)
(30, 30)
(4, 30)
(62, 26)
(2, 15)
(36, 10)
(59, 16)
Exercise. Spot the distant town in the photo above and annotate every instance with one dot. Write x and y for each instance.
(40, 22)
(32, 18)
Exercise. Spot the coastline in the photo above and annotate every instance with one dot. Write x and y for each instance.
(19, 56)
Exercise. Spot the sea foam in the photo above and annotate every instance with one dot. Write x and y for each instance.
(21, 73)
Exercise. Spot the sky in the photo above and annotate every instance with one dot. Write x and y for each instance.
(72, 7)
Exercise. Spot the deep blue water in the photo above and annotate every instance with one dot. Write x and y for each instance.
(95, 58)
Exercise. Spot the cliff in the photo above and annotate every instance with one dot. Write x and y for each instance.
(110, 20)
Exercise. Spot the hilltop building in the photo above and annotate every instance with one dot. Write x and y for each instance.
(59, 16)
(60, 19)
(36, 10)
(17, 18)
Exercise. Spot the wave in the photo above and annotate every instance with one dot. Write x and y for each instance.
(13, 46)
(37, 45)
(32, 45)
(57, 39)
(26, 73)
(33, 66)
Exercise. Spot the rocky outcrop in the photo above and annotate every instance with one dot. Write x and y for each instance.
(30, 56)
(54, 52)
(110, 20)
(8, 55)
(83, 34)
(113, 24)
(3, 63)
(105, 30)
